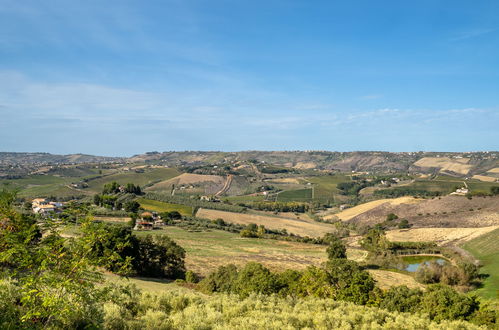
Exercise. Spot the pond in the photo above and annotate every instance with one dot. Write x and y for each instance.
(412, 263)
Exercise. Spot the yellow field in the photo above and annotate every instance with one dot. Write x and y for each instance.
(494, 170)
(440, 235)
(385, 279)
(359, 209)
(187, 179)
(302, 227)
(446, 164)
(484, 178)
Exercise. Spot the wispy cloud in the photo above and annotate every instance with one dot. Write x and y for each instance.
(474, 33)
(91, 113)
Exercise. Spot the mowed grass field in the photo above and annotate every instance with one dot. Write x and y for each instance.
(206, 250)
(486, 249)
(302, 227)
(157, 206)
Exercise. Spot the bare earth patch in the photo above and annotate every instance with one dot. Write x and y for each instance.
(443, 236)
(302, 227)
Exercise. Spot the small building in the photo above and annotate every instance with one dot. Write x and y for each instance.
(39, 201)
(143, 225)
(147, 216)
(461, 191)
(44, 209)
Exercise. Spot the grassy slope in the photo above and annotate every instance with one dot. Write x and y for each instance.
(43, 186)
(325, 186)
(207, 250)
(486, 248)
(157, 206)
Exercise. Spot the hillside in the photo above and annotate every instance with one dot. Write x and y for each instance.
(447, 211)
(455, 164)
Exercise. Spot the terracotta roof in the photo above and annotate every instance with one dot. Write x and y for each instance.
(146, 214)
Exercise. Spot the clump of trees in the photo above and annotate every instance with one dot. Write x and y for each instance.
(463, 273)
(115, 248)
(281, 206)
(117, 197)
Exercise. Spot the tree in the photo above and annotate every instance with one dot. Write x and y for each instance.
(375, 240)
(50, 284)
(255, 278)
(336, 248)
(349, 281)
(97, 200)
(442, 302)
(131, 206)
(391, 217)
(159, 256)
(221, 280)
(111, 188)
(404, 223)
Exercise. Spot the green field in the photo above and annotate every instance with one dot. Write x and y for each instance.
(486, 249)
(42, 186)
(325, 187)
(141, 179)
(157, 206)
(299, 195)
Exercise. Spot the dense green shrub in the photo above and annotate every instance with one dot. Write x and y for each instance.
(115, 248)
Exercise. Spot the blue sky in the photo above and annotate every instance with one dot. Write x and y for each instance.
(126, 77)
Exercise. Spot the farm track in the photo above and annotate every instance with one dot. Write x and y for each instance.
(226, 186)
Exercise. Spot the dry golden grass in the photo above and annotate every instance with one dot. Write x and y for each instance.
(494, 170)
(446, 164)
(484, 178)
(359, 209)
(442, 236)
(386, 279)
(302, 227)
(186, 179)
